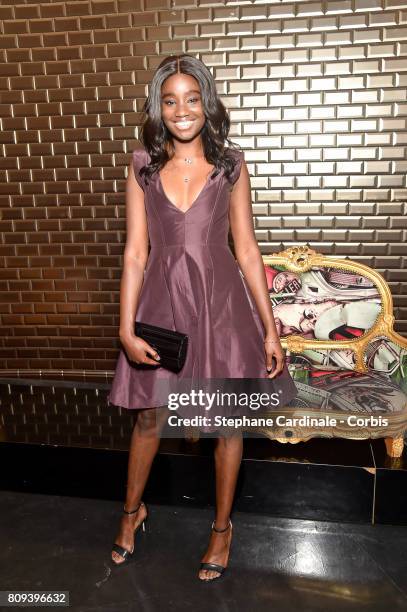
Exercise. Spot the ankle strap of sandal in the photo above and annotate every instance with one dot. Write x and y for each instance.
(132, 511)
(221, 530)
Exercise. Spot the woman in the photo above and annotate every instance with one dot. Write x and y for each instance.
(181, 190)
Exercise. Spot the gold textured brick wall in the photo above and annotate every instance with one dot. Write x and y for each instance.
(317, 96)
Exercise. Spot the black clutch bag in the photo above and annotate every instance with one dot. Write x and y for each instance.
(170, 345)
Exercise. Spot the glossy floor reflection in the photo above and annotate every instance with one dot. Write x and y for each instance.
(55, 542)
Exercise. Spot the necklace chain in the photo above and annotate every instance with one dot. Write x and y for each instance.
(189, 161)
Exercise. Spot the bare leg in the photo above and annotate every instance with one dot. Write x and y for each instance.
(228, 456)
(145, 441)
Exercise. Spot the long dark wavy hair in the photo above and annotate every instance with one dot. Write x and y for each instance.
(154, 134)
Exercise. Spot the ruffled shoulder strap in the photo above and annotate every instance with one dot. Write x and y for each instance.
(239, 157)
(140, 159)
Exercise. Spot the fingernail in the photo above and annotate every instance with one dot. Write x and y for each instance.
(268, 369)
(158, 357)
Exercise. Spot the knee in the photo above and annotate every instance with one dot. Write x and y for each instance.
(147, 421)
(231, 439)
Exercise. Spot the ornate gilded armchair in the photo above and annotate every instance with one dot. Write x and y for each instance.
(335, 320)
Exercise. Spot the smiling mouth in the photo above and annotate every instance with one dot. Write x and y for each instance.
(183, 125)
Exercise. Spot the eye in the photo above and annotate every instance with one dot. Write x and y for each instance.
(193, 100)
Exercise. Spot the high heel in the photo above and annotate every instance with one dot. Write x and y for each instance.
(214, 566)
(124, 552)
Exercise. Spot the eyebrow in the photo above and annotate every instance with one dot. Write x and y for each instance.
(186, 93)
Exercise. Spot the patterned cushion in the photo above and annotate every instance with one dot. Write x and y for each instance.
(324, 303)
(340, 389)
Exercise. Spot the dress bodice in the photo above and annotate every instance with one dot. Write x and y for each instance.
(205, 222)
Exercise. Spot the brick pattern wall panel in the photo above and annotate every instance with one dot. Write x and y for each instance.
(317, 96)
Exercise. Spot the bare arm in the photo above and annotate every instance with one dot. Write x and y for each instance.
(251, 263)
(134, 262)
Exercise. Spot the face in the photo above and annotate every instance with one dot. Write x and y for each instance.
(181, 107)
(308, 320)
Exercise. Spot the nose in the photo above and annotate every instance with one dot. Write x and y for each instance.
(180, 111)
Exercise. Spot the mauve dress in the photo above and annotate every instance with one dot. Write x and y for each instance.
(193, 284)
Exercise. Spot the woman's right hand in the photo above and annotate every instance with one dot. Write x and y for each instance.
(137, 348)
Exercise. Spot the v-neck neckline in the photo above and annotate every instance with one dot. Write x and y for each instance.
(184, 212)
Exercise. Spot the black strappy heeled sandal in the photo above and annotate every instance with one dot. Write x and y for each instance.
(124, 552)
(214, 566)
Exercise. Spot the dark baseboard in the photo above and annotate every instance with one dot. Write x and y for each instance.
(274, 485)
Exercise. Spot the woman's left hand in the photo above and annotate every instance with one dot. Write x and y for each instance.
(274, 352)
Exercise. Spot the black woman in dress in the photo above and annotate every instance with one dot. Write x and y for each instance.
(185, 190)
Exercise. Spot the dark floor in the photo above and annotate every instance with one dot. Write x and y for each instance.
(63, 543)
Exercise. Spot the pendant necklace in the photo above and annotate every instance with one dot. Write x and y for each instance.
(187, 160)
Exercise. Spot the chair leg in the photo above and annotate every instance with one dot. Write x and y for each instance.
(394, 446)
